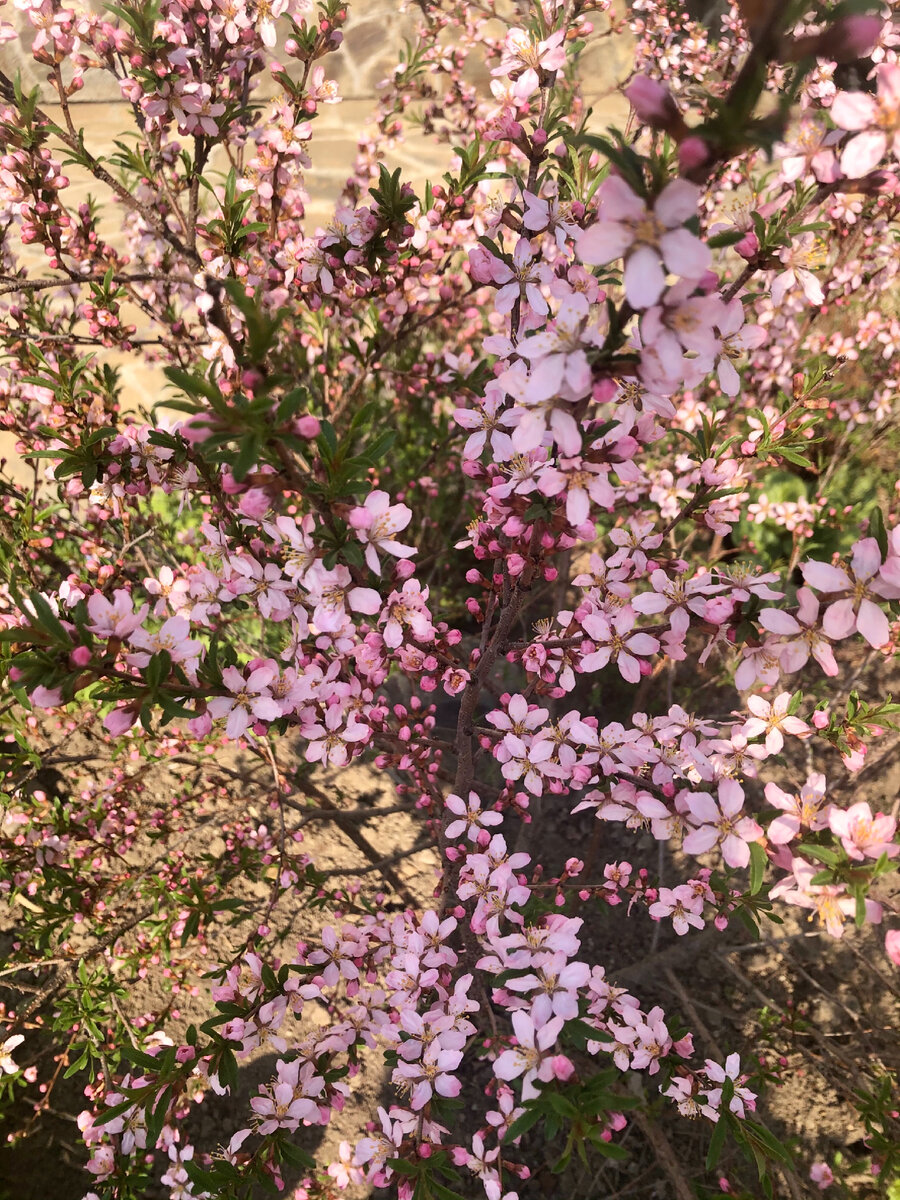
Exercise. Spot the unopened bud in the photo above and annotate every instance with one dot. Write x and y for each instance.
(653, 103)
(693, 152)
(848, 39)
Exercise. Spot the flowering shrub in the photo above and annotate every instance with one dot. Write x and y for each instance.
(567, 445)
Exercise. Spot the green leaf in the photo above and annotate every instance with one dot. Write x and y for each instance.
(116, 1110)
(158, 668)
(228, 1070)
(717, 1142)
(376, 450)
(821, 878)
(47, 618)
(758, 861)
(443, 1193)
(247, 456)
(295, 1155)
(194, 385)
(831, 858)
(402, 1167)
(730, 238)
(327, 442)
(609, 1149)
(878, 531)
(78, 1065)
(521, 1125)
(762, 1136)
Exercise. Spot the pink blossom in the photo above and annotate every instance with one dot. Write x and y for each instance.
(529, 1058)
(375, 524)
(772, 719)
(345, 1169)
(528, 762)
(821, 1175)
(652, 102)
(648, 238)
(873, 119)
(519, 718)
(521, 281)
(804, 811)
(115, 618)
(560, 351)
(250, 699)
(862, 835)
(279, 1107)
(800, 635)
(829, 902)
(488, 423)
(431, 1074)
(735, 339)
(406, 615)
(337, 955)
(800, 259)
(865, 585)
(617, 643)
(682, 905)
(554, 984)
(677, 596)
(102, 1162)
(472, 818)
(742, 1098)
(582, 482)
(7, 1066)
(173, 637)
(721, 823)
(332, 593)
(332, 743)
(525, 58)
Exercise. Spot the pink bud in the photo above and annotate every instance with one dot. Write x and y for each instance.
(481, 265)
(684, 1046)
(850, 38)
(652, 101)
(748, 246)
(563, 1068)
(200, 726)
(718, 609)
(254, 503)
(120, 720)
(197, 429)
(308, 427)
(80, 656)
(693, 152)
(230, 485)
(892, 946)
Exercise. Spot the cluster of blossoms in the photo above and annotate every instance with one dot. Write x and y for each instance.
(601, 342)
